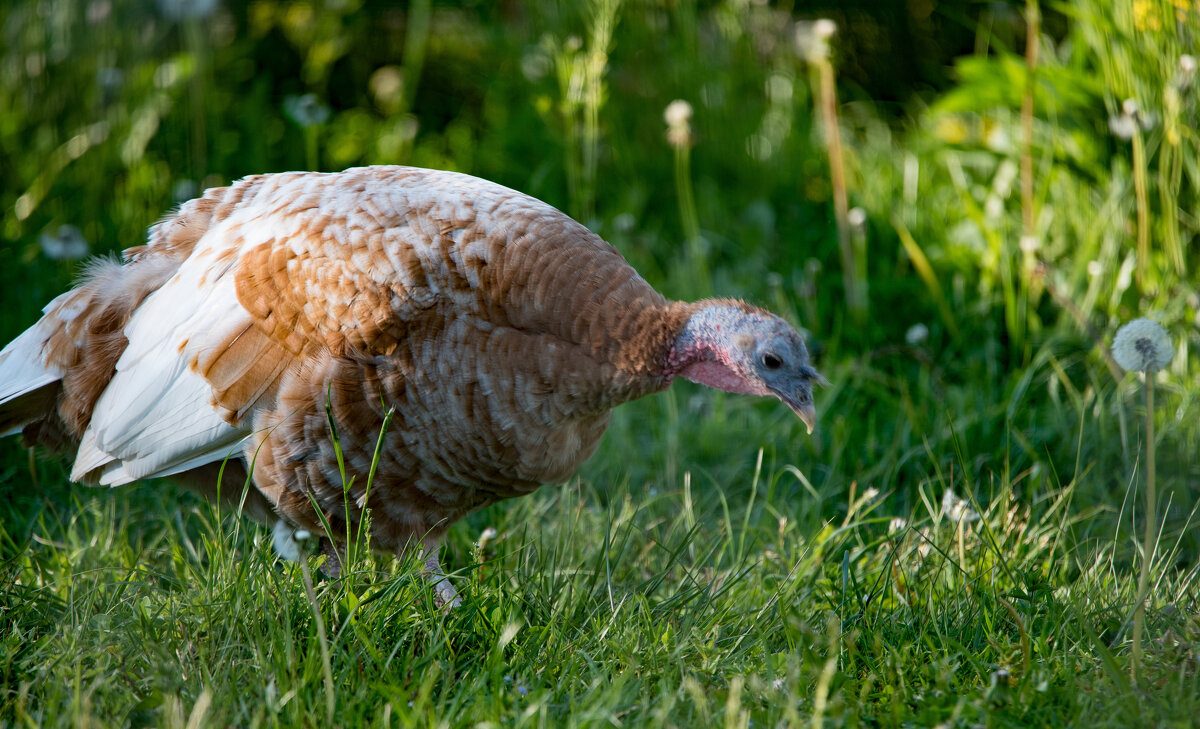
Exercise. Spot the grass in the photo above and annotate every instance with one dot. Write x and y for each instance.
(958, 544)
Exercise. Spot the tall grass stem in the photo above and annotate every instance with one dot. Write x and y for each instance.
(690, 220)
(826, 81)
(1148, 541)
(1032, 32)
(322, 639)
(1141, 191)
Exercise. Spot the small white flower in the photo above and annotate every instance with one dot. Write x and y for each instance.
(1030, 243)
(956, 509)
(896, 524)
(1095, 268)
(916, 334)
(67, 244)
(1187, 72)
(1122, 126)
(1131, 120)
(678, 116)
(1142, 345)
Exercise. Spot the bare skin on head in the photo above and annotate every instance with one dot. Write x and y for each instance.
(498, 331)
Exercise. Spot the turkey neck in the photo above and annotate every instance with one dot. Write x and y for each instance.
(638, 340)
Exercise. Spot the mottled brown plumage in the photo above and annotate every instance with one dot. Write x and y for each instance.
(498, 331)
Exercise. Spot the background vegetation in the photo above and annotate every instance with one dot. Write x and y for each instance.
(956, 545)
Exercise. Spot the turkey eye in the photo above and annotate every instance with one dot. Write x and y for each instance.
(771, 361)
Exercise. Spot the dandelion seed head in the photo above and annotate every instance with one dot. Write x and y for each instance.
(1142, 345)
(65, 244)
(678, 116)
(812, 38)
(857, 218)
(678, 113)
(916, 334)
(306, 110)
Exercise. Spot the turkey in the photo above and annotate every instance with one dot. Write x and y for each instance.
(498, 333)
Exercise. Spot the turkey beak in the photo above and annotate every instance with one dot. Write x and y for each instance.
(801, 403)
(807, 413)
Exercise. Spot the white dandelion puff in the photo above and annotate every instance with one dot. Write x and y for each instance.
(66, 244)
(857, 218)
(812, 38)
(916, 334)
(678, 116)
(1142, 345)
(306, 110)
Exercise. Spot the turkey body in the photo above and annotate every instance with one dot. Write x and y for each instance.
(492, 331)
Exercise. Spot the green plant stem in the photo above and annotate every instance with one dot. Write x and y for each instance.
(326, 667)
(837, 177)
(1032, 31)
(690, 220)
(1148, 542)
(416, 38)
(1141, 191)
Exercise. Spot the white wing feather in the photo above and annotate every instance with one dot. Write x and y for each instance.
(22, 366)
(157, 417)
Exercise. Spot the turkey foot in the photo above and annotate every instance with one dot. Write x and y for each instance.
(444, 594)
